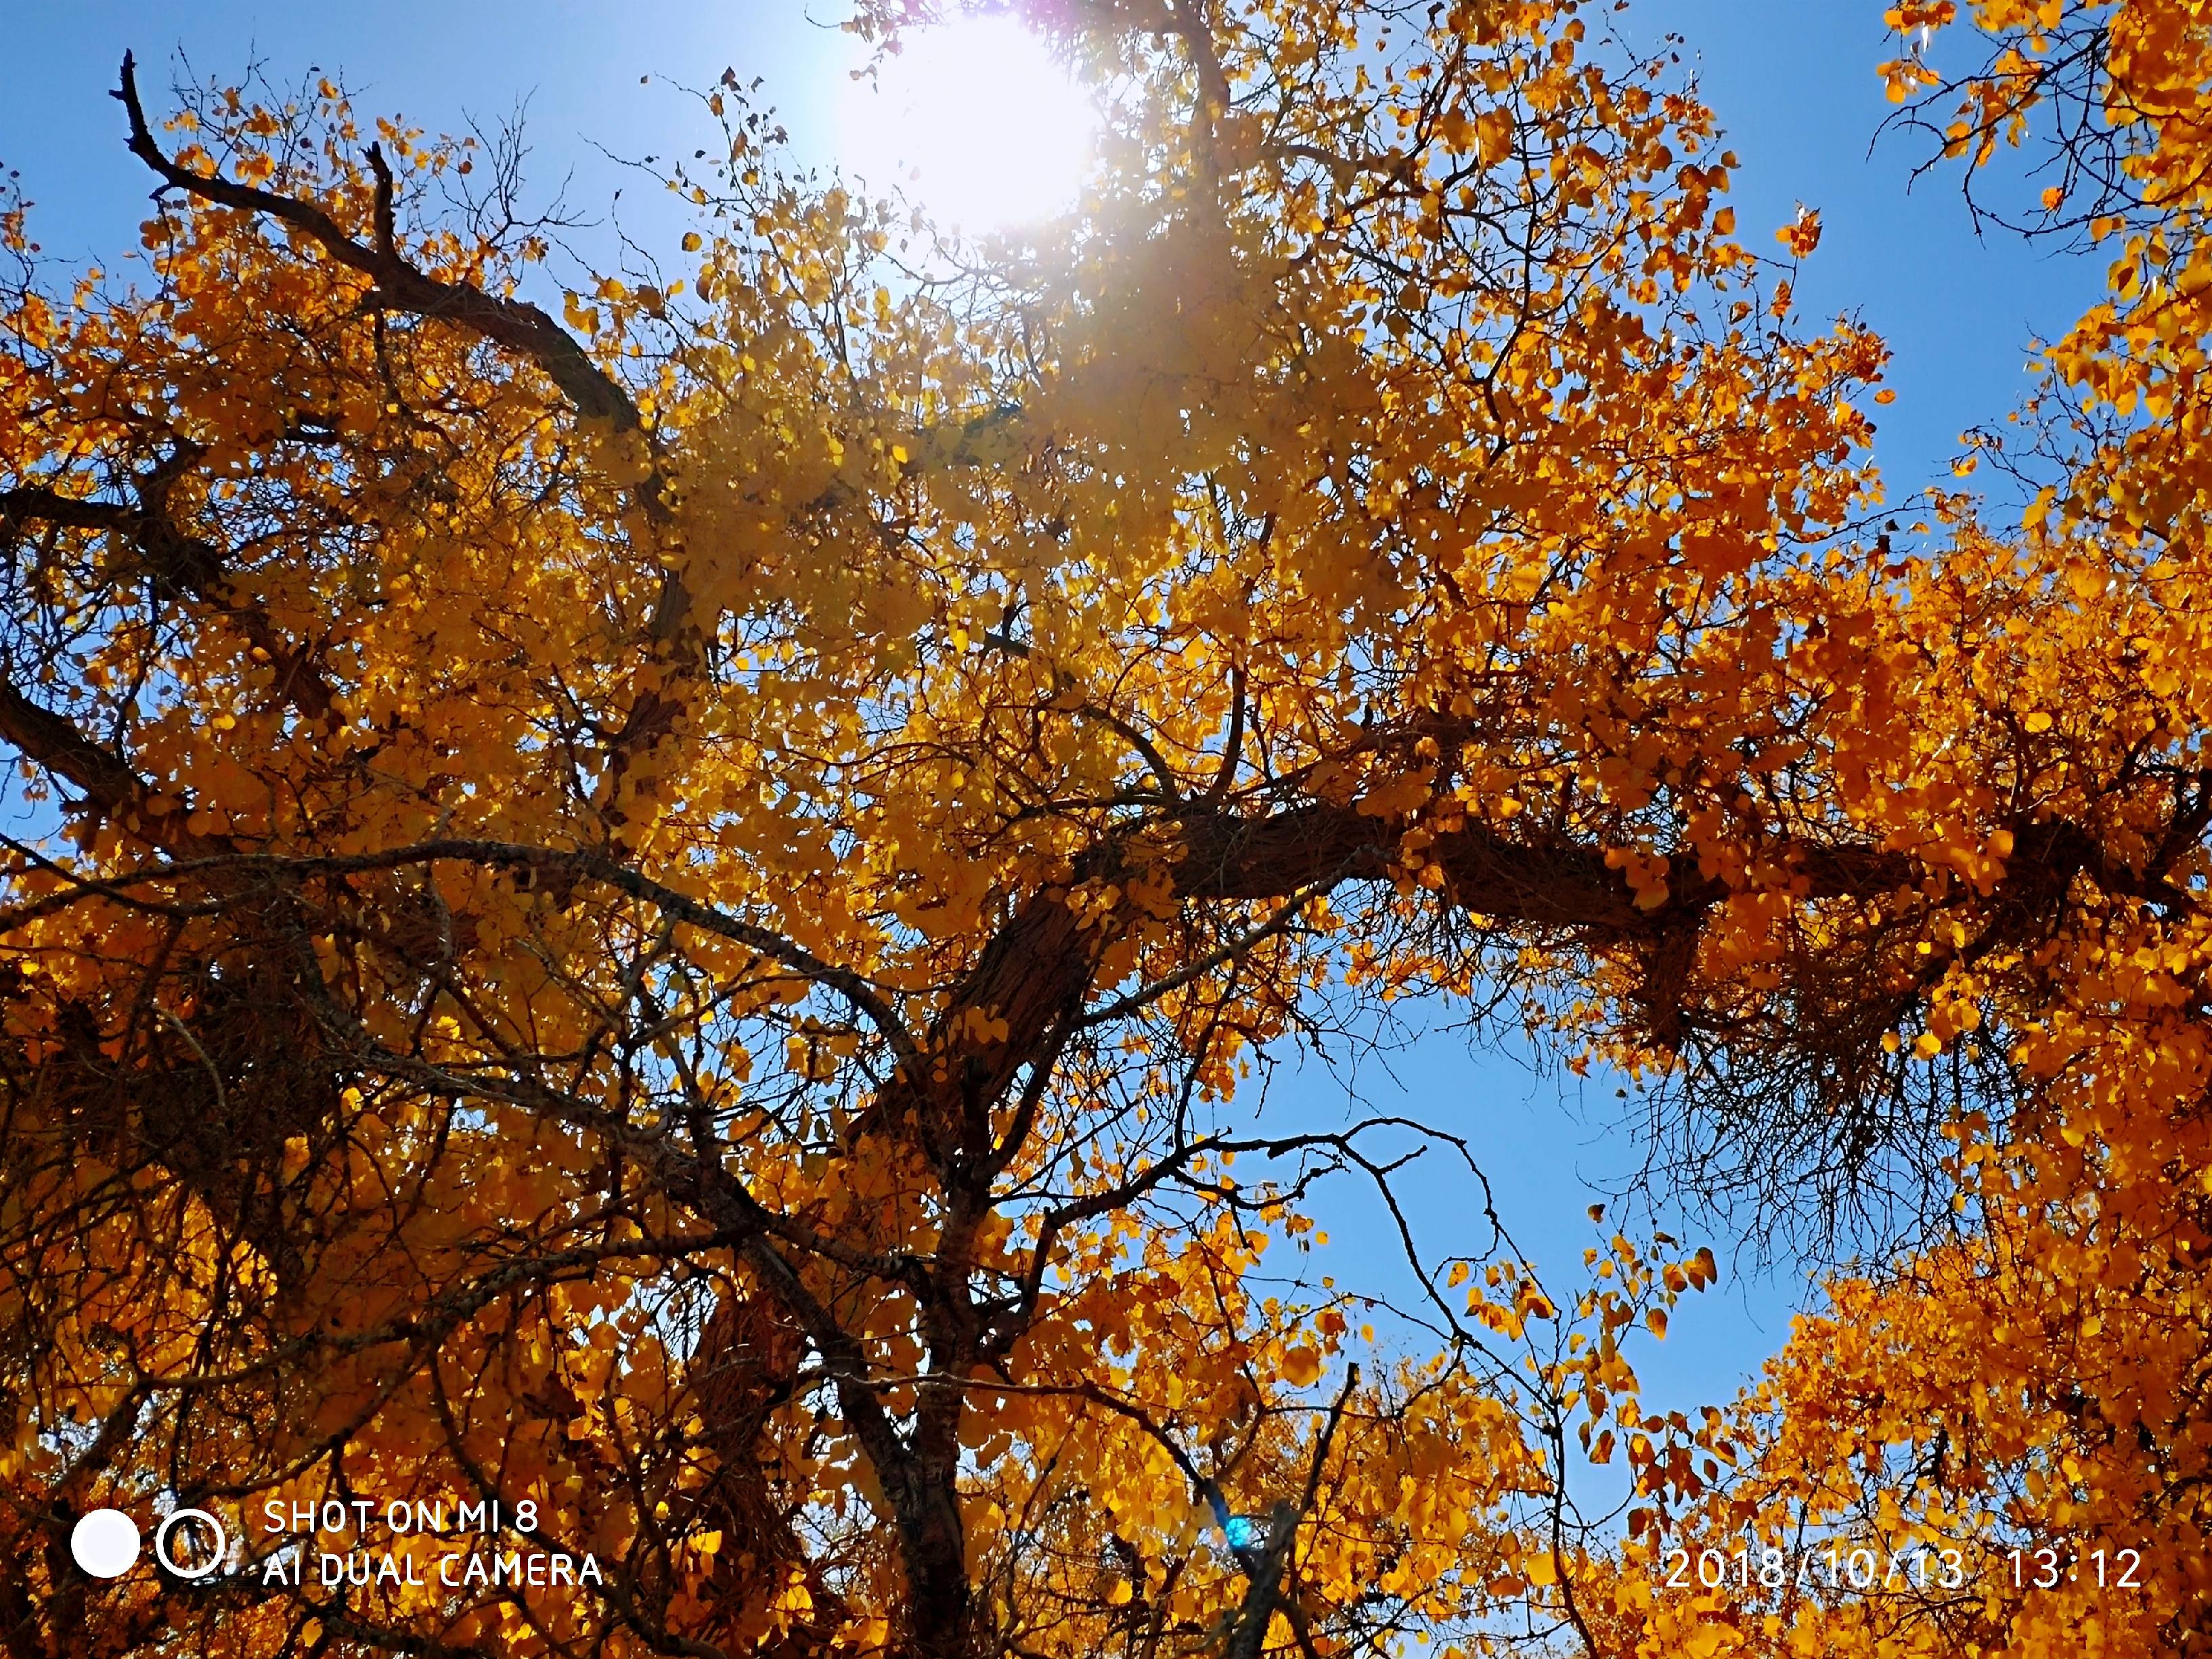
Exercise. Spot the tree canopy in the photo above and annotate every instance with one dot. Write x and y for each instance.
(671, 916)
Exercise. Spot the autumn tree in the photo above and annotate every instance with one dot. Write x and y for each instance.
(669, 914)
(2033, 1390)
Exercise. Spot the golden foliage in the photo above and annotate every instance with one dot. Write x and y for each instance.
(664, 911)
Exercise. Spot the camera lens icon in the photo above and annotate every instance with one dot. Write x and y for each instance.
(190, 1544)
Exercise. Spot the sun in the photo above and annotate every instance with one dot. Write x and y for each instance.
(973, 120)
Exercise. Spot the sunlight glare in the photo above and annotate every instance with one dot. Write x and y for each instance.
(973, 120)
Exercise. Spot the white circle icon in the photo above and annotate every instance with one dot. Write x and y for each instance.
(105, 1543)
(201, 1565)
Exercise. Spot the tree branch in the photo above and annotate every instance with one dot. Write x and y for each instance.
(538, 861)
(520, 327)
(105, 778)
(186, 563)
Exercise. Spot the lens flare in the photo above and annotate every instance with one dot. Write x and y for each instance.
(974, 121)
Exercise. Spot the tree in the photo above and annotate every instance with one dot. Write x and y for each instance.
(2033, 1389)
(667, 915)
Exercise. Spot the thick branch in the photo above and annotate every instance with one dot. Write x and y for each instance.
(1032, 976)
(186, 563)
(103, 776)
(1549, 883)
(520, 327)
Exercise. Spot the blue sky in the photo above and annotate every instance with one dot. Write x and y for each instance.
(1793, 82)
